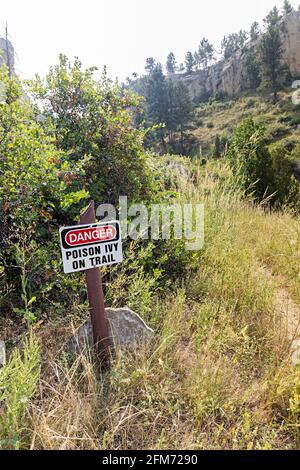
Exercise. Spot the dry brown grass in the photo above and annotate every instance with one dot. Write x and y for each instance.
(219, 372)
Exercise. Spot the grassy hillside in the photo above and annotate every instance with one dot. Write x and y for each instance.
(282, 121)
(219, 372)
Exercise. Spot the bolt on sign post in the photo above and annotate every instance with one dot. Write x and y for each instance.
(87, 247)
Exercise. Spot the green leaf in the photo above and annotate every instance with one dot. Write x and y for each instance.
(31, 301)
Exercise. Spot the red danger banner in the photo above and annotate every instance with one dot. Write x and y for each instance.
(87, 236)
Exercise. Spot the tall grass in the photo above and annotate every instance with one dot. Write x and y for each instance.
(218, 373)
(18, 385)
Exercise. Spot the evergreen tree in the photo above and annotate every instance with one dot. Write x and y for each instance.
(171, 63)
(197, 61)
(157, 99)
(227, 47)
(182, 110)
(272, 18)
(189, 62)
(241, 39)
(167, 105)
(205, 53)
(171, 117)
(254, 31)
(270, 50)
(287, 7)
(150, 64)
(232, 43)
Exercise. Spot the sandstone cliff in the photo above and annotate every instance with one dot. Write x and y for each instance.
(7, 54)
(230, 76)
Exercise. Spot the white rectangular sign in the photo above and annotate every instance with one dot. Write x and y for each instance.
(91, 246)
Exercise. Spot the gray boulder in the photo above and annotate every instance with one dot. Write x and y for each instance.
(127, 330)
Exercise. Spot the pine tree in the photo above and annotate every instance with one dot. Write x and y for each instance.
(171, 63)
(182, 110)
(287, 7)
(254, 31)
(189, 62)
(157, 99)
(197, 61)
(227, 47)
(272, 18)
(232, 43)
(205, 53)
(150, 64)
(171, 118)
(271, 50)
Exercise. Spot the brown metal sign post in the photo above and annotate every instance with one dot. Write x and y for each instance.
(96, 299)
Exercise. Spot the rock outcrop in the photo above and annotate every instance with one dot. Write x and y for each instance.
(7, 55)
(230, 76)
(126, 331)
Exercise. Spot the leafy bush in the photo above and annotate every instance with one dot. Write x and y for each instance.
(284, 184)
(39, 187)
(74, 139)
(36, 178)
(295, 121)
(94, 120)
(249, 156)
(264, 171)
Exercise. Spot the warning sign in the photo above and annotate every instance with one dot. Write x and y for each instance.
(90, 246)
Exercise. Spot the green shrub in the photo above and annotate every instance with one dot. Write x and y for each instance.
(39, 188)
(249, 157)
(73, 140)
(18, 384)
(295, 121)
(264, 171)
(94, 119)
(284, 184)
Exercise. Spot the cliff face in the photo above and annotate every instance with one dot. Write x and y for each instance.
(7, 54)
(230, 77)
(290, 30)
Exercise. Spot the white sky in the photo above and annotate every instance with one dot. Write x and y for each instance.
(120, 33)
